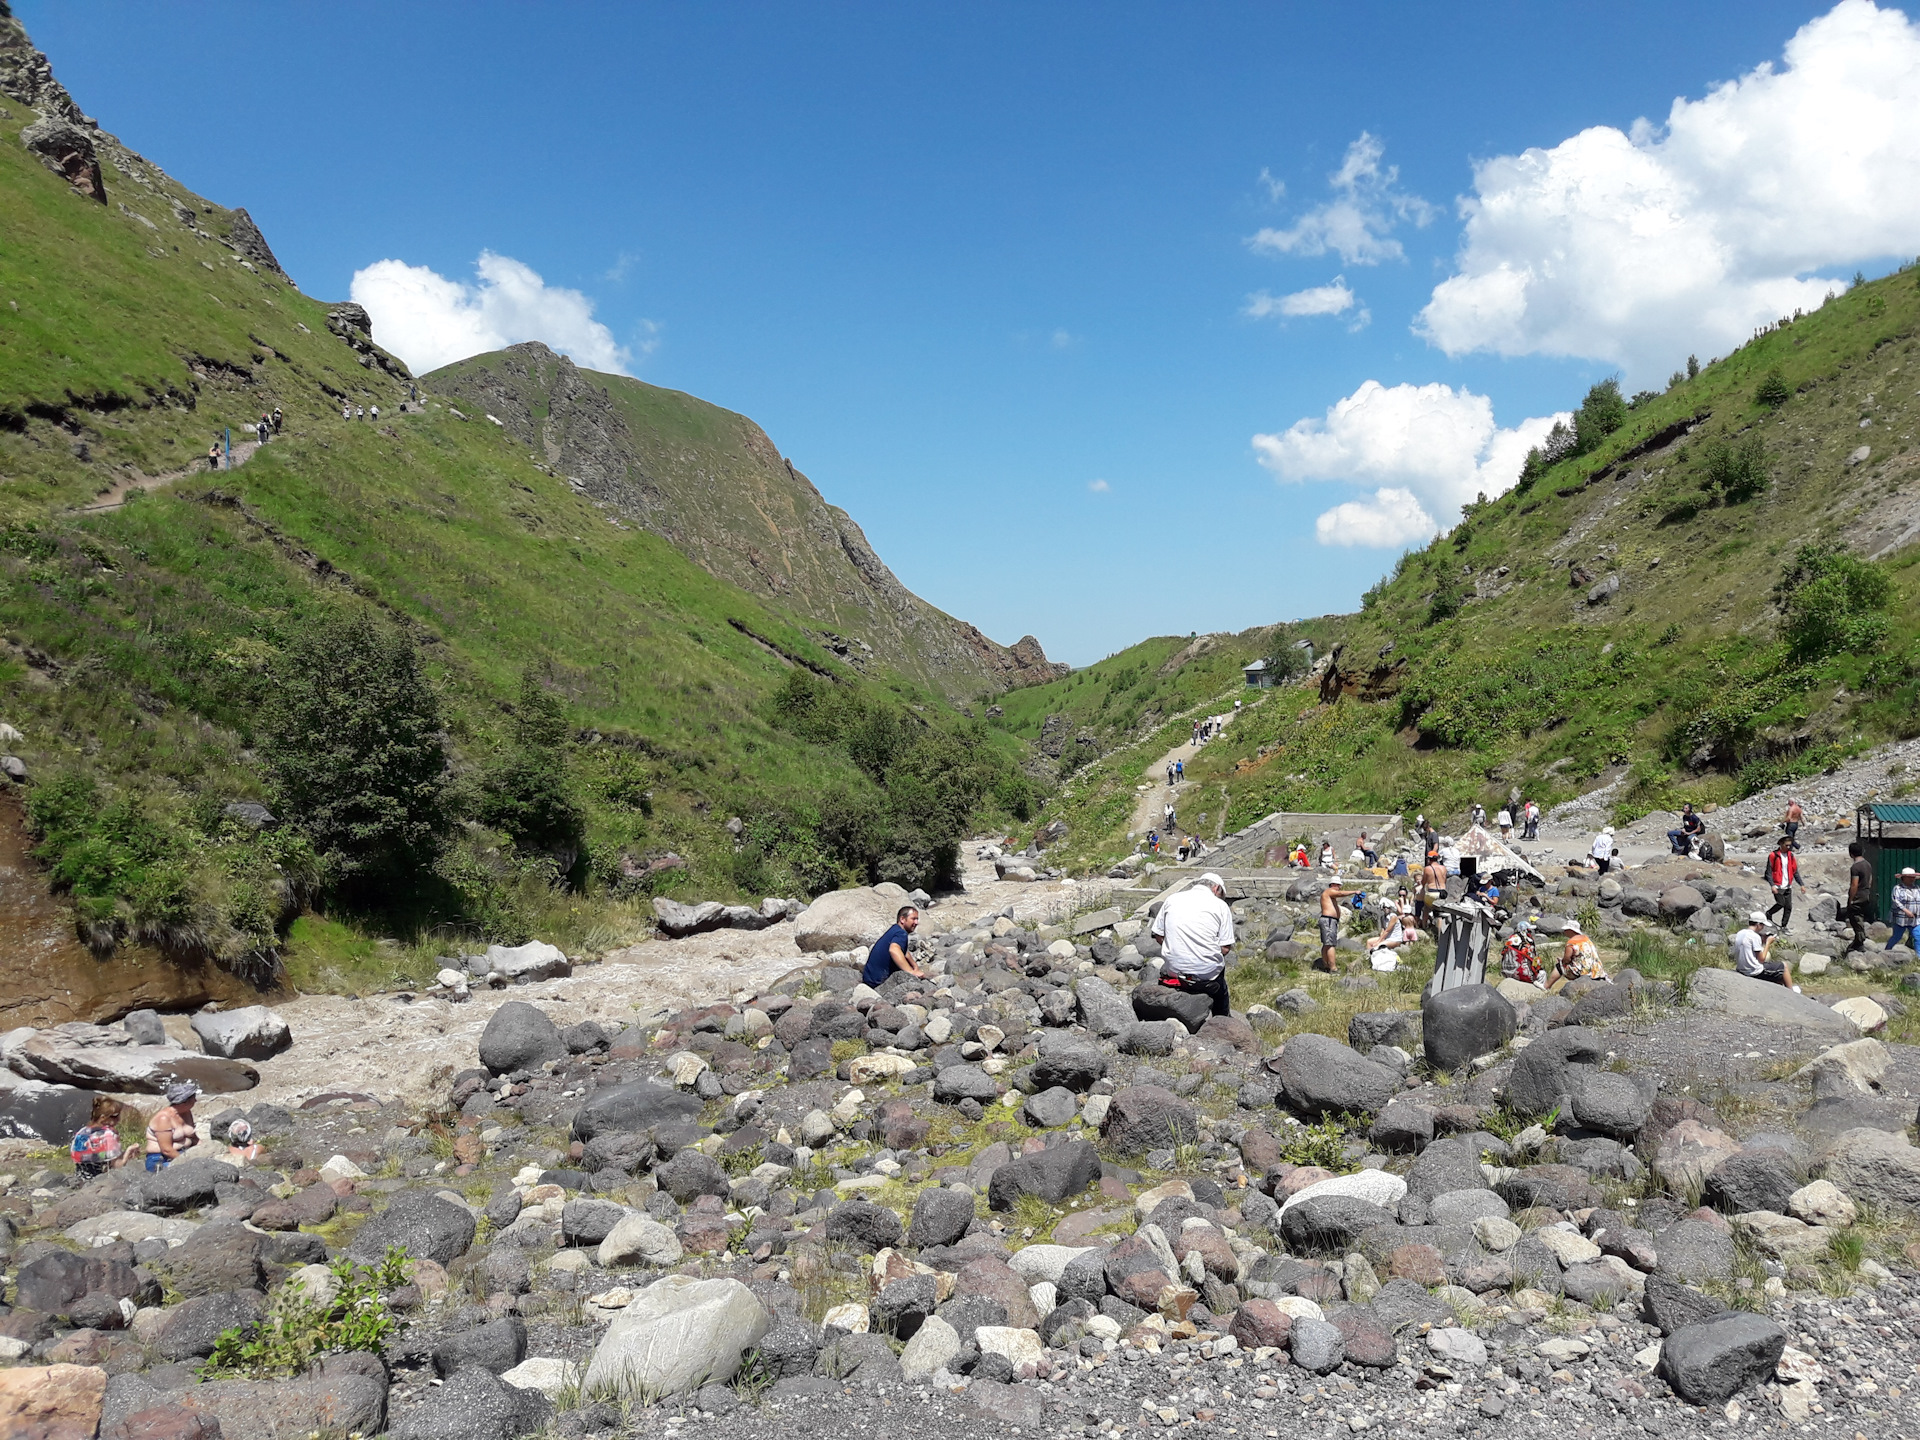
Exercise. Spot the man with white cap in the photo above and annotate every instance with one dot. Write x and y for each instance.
(1579, 961)
(1906, 906)
(1195, 931)
(1751, 946)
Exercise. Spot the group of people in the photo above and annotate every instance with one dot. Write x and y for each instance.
(1520, 957)
(1176, 772)
(1189, 848)
(1518, 813)
(359, 412)
(170, 1134)
(1205, 730)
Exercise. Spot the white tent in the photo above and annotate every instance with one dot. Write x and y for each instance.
(1494, 855)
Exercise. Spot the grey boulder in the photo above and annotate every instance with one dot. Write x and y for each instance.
(1457, 1026)
(1710, 1362)
(519, 1037)
(1320, 1074)
(252, 1032)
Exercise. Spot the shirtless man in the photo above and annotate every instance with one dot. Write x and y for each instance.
(1433, 883)
(1330, 898)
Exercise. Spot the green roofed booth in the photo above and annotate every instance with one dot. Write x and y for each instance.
(1890, 835)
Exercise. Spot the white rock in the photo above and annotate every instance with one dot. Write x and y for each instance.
(816, 1128)
(932, 1346)
(1093, 1113)
(253, 1032)
(1102, 1327)
(1045, 1296)
(535, 960)
(685, 1067)
(1815, 964)
(842, 920)
(1298, 1307)
(1568, 1246)
(1562, 1348)
(1035, 1263)
(1146, 1200)
(1496, 1233)
(990, 1037)
(1061, 950)
(680, 1334)
(341, 1168)
(569, 1262)
(867, 1069)
(638, 1240)
(1863, 1012)
(850, 1317)
(12, 1349)
(317, 1283)
(451, 980)
(1461, 1347)
(1861, 1064)
(131, 1226)
(1648, 1358)
(1021, 1347)
(938, 1030)
(543, 1373)
(1377, 1187)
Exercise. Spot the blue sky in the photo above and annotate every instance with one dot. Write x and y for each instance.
(965, 262)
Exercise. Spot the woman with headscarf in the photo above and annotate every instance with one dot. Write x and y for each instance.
(170, 1132)
(241, 1146)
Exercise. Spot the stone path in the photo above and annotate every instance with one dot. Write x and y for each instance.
(115, 495)
(1150, 806)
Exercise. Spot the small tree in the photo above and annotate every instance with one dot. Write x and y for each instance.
(1736, 472)
(527, 792)
(1693, 366)
(353, 745)
(1832, 602)
(1601, 413)
(1773, 391)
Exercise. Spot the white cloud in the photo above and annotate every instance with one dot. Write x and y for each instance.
(1334, 299)
(1639, 248)
(1425, 449)
(1063, 339)
(430, 321)
(1359, 220)
(1098, 487)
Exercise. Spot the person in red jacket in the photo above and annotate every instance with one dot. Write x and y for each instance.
(1783, 873)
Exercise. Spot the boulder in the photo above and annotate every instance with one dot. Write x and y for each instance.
(1052, 1175)
(1259, 1323)
(679, 1334)
(1876, 1167)
(1376, 1187)
(252, 1032)
(35, 1110)
(588, 1222)
(342, 1394)
(866, 1226)
(1725, 993)
(1689, 1152)
(1446, 1165)
(1330, 1225)
(1855, 1067)
(638, 1240)
(1066, 1062)
(932, 1347)
(1151, 1037)
(1823, 1203)
(1753, 1180)
(1050, 1109)
(964, 1082)
(690, 1174)
(58, 1059)
(1320, 1074)
(185, 1185)
(1317, 1346)
(535, 960)
(1154, 1001)
(519, 1037)
(940, 1217)
(1610, 1103)
(474, 1404)
(1103, 1010)
(1459, 1025)
(1710, 1362)
(1540, 1080)
(848, 919)
(632, 1108)
(1677, 902)
(1148, 1117)
(1694, 1252)
(499, 1345)
(190, 1329)
(1383, 1027)
(1671, 1305)
(51, 1402)
(424, 1225)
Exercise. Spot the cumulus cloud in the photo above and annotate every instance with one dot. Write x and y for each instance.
(1358, 222)
(1334, 299)
(1098, 487)
(1425, 450)
(1637, 248)
(430, 321)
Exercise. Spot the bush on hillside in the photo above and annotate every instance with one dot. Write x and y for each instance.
(1773, 391)
(1600, 414)
(1735, 472)
(1832, 602)
(353, 744)
(527, 792)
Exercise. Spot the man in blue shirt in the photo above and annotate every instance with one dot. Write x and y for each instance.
(890, 950)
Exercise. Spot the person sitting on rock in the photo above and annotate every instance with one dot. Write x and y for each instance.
(1195, 931)
(1752, 947)
(890, 950)
(170, 1133)
(242, 1148)
(1579, 961)
(1520, 957)
(96, 1147)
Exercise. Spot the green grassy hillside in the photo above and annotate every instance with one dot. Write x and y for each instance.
(1728, 657)
(602, 701)
(712, 482)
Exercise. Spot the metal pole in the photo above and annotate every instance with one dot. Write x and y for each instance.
(228, 432)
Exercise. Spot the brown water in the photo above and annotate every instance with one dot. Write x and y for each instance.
(48, 977)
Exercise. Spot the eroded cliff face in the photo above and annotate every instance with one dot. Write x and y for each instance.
(713, 484)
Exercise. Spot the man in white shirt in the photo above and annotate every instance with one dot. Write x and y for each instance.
(1751, 957)
(1195, 931)
(1602, 850)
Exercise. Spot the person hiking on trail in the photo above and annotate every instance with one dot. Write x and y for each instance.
(276, 419)
(375, 412)
(213, 456)
(1790, 822)
(1751, 946)
(1330, 897)
(1179, 770)
(1478, 815)
(1533, 821)
(890, 950)
(1520, 957)
(1504, 823)
(346, 412)
(1195, 931)
(96, 1147)
(1602, 850)
(1906, 906)
(1169, 774)
(1169, 820)
(170, 1132)
(1783, 873)
(1579, 961)
(1153, 841)
(1859, 907)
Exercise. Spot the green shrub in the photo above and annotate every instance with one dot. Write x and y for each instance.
(1773, 391)
(1600, 414)
(300, 1329)
(1323, 1143)
(1832, 602)
(354, 745)
(1735, 472)
(527, 793)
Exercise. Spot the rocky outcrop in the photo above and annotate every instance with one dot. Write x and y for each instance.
(713, 484)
